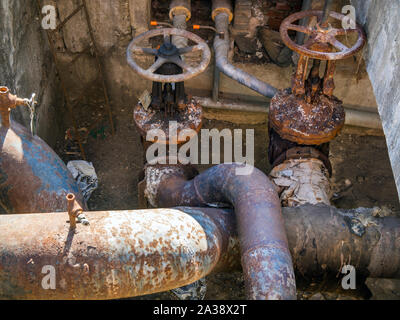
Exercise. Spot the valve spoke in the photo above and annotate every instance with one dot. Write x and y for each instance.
(159, 62)
(167, 38)
(343, 32)
(144, 50)
(337, 44)
(301, 29)
(190, 49)
(309, 43)
(181, 64)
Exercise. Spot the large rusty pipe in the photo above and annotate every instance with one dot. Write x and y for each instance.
(113, 265)
(118, 255)
(221, 48)
(266, 260)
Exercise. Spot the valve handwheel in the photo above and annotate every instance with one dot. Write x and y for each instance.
(168, 53)
(320, 34)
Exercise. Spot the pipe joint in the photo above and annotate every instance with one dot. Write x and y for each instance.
(222, 6)
(180, 7)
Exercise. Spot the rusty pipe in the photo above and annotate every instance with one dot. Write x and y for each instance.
(221, 47)
(94, 264)
(8, 102)
(266, 258)
(180, 13)
(32, 176)
(119, 255)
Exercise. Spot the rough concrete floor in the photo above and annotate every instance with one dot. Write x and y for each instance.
(362, 177)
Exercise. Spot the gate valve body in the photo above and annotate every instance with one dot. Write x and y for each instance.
(168, 101)
(304, 118)
(308, 113)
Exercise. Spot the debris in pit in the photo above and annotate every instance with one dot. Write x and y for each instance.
(85, 175)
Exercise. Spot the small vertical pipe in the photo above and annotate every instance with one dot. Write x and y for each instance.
(325, 15)
(217, 76)
(303, 22)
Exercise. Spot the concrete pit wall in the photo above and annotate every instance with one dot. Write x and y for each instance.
(381, 20)
(26, 66)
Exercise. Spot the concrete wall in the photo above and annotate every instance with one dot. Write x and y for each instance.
(381, 20)
(26, 66)
(115, 22)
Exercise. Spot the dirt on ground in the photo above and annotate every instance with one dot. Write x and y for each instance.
(362, 176)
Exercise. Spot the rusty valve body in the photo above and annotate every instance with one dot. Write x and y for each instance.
(308, 114)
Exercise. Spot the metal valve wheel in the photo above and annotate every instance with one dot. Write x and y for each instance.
(168, 53)
(320, 34)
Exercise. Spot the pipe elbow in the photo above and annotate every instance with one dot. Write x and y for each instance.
(266, 258)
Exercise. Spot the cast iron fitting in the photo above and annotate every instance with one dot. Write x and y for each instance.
(8, 102)
(221, 47)
(74, 209)
(266, 257)
(222, 6)
(180, 7)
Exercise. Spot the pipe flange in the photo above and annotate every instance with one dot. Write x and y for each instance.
(160, 169)
(303, 153)
(180, 10)
(308, 123)
(190, 116)
(220, 10)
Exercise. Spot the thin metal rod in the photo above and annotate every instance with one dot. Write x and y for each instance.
(63, 87)
(99, 66)
(64, 22)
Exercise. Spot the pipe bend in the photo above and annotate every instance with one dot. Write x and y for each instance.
(266, 259)
(33, 178)
(221, 61)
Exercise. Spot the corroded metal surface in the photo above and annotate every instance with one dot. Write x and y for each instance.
(319, 34)
(119, 255)
(32, 177)
(309, 123)
(260, 224)
(162, 59)
(8, 102)
(304, 153)
(188, 117)
(155, 173)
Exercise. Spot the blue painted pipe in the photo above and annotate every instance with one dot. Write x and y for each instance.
(32, 176)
